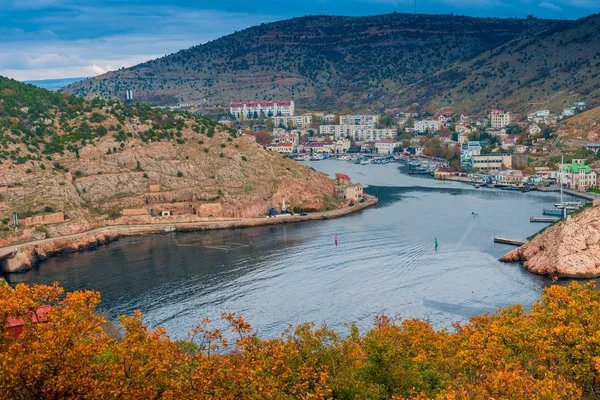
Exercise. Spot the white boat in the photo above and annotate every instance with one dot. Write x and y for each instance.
(344, 158)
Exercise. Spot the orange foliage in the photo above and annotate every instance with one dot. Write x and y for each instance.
(552, 352)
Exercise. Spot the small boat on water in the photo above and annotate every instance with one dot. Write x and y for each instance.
(477, 186)
(569, 205)
(316, 158)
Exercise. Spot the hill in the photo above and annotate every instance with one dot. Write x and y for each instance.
(91, 160)
(584, 127)
(549, 69)
(321, 62)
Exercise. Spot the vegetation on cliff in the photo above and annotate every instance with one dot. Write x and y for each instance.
(92, 159)
(318, 61)
(548, 353)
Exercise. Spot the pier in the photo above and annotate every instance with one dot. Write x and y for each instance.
(543, 219)
(516, 242)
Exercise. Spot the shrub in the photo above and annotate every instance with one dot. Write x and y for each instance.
(179, 174)
(49, 209)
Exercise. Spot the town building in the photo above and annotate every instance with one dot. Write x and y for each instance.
(342, 145)
(538, 116)
(282, 148)
(256, 109)
(329, 119)
(486, 162)
(534, 129)
(499, 119)
(386, 146)
(512, 176)
(360, 133)
(577, 175)
(595, 147)
(363, 120)
(349, 191)
(297, 121)
(427, 125)
(468, 150)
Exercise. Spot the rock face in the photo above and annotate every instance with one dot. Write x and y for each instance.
(568, 249)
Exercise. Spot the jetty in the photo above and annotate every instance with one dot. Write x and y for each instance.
(516, 242)
(543, 219)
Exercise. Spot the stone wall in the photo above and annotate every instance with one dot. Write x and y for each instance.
(54, 218)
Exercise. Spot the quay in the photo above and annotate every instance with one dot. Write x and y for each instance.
(543, 219)
(516, 242)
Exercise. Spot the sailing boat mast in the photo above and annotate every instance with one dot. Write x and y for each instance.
(562, 165)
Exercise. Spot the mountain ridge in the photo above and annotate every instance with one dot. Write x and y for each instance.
(318, 61)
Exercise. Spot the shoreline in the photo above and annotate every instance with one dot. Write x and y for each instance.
(24, 256)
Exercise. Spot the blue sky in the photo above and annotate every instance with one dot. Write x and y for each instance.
(45, 39)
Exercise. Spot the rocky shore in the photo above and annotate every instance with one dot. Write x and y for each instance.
(568, 249)
(22, 257)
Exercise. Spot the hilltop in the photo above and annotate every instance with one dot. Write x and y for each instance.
(90, 160)
(548, 69)
(321, 62)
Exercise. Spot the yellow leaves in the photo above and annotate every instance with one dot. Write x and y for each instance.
(550, 353)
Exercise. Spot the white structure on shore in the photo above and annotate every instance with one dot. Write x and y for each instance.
(360, 133)
(254, 109)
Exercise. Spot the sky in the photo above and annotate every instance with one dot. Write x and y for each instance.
(51, 39)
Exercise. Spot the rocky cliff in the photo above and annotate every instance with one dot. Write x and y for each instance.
(567, 249)
(92, 160)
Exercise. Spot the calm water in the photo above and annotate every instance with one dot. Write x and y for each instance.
(385, 262)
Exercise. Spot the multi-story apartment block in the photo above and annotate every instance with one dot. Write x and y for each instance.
(499, 119)
(298, 121)
(363, 120)
(254, 109)
(360, 133)
(427, 125)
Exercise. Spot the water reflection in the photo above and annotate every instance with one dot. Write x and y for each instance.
(385, 263)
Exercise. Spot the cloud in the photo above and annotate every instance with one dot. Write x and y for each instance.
(550, 6)
(65, 38)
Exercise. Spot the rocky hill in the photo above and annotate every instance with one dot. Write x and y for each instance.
(567, 249)
(584, 127)
(549, 69)
(91, 160)
(321, 62)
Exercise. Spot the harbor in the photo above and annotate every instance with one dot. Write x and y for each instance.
(273, 275)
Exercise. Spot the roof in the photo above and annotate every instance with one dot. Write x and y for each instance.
(342, 176)
(38, 316)
(497, 112)
(576, 168)
(261, 103)
(593, 145)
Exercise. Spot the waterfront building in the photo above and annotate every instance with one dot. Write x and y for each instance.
(363, 120)
(349, 191)
(512, 176)
(468, 150)
(360, 133)
(487, 162)
(292, 138)
(428, 125)
(256, 109)
(342, 145)
(499, 119)
(577, 175)
(386, 146)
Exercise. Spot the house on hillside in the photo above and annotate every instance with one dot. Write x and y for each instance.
(534, 129)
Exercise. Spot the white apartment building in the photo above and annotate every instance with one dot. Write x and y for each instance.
(427, 125)
(359, 133)
(499, 119)
(298, 121)
(254, 109)
(364, 120)
(386, 146)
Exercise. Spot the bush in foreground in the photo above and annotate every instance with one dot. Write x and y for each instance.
(553, 352)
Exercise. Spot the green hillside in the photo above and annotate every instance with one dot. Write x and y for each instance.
(549, 69)
(321, 62)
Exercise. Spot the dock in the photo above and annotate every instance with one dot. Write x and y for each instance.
(543, 219)
(516, 242)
